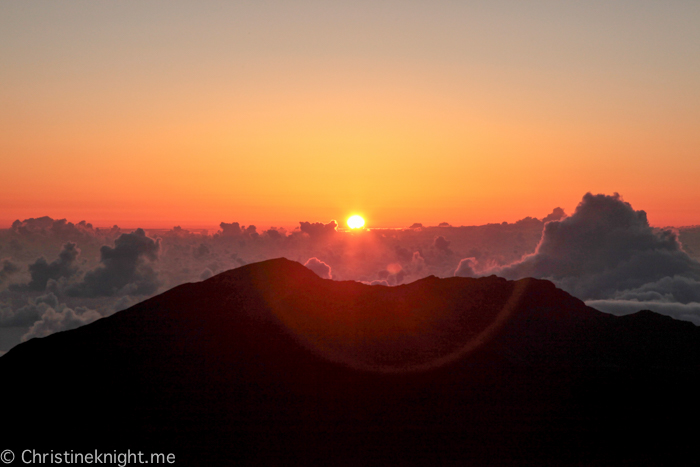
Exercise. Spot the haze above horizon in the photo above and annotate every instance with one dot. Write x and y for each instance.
(269, 113)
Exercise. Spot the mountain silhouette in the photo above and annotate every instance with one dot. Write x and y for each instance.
(269, 364)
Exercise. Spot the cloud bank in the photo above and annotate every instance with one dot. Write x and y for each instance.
(607, 253)
(45, 315)
(42, 272)
(55, 274)
(124, 270)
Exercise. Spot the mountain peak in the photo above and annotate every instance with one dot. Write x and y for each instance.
(270, 364)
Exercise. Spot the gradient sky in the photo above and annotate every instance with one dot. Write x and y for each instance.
(269, 112)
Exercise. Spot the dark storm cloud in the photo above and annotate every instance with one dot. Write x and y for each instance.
(41, 271)
(319, 267)
(603, 248)
(124, 269)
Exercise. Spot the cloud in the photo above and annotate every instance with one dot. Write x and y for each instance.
(53, 321)
(669, 289)
(28, 314)
(466, 268)
(682, 311)
(318, 229)
(603, 248)
(555, 215)
(46, 226)
(417, 262)
(8, 268)
(122, 304)
(125, 269)
(41, 271)
(594, 254)
(201, 251)
(234, 229)
(275, 234)
(31, 225)
(442, 244)
(24, 316)
(678, 297)
(178, 231)
(45, 315)
(376, 282)
(319, 267)
(394, 274)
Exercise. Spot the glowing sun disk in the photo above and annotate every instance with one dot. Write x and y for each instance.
(355, 222)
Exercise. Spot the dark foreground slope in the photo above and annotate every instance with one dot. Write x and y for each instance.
(270, 365)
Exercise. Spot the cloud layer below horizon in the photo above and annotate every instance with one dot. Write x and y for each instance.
(56, 275)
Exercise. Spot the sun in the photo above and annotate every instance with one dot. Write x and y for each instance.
(356, 222)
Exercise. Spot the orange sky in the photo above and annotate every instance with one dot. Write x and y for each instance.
(192, 114)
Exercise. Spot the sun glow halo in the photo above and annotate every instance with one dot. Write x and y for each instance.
(356, 222)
